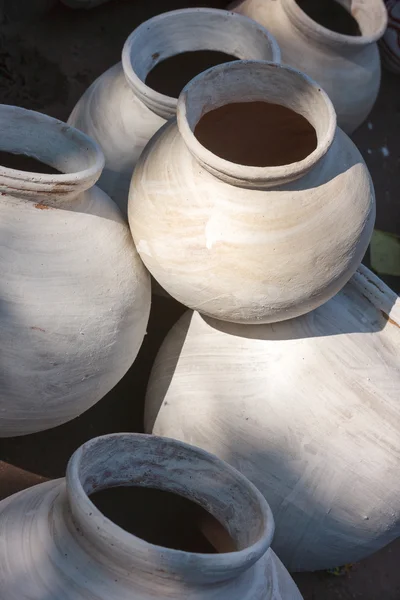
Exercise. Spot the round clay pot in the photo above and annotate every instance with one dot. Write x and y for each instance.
(75, 296)
(347, 64)
(122, 112)
(307, 409)
(56, 542)
(246, 243)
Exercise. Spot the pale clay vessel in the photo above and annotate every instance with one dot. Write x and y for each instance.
(75, 296)
(307, 409)
(251, 244)
(56, 544)
(122, 113)
(347, 67)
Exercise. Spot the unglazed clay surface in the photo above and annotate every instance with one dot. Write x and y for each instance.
(75, 296)
(122, 113)
(347, 67)
(55, 543)
(251, 244)
(307, 409)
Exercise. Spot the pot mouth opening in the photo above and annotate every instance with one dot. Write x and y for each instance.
(65, 160)
(348, 22)
(105, 464)
(256, 124)
(163, 518)
(185, 42)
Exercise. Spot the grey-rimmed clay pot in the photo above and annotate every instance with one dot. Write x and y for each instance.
(56, 543)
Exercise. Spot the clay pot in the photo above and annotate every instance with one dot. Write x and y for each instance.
(74, 294)
(57, 542)
(335, 47)
(246, 243)
(307, 409)
(122, 112)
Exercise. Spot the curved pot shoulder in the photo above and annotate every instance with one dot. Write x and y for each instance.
(109, 100)
(307, 409)
(211, 233)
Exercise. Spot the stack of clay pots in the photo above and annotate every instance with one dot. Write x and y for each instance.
(248, 205)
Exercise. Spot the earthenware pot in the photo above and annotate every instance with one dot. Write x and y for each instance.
(122, 112)
(245, 243)
(57, 542)
(74, 294)
(307, 409)
(347, 64)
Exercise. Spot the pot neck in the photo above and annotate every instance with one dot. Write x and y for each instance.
(188, 30)
(254, 81)
(371, 17)
(77, 157)
(150, 461)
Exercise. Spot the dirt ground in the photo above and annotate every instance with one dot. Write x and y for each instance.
(46, 65)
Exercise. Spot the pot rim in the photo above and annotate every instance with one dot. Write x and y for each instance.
(244, 175)
(313, 29)
(30, 133)
(163, 105)
(104, 533)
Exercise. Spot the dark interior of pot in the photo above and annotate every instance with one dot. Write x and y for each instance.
(163, 518)
(171, 75)
(257, 134)
(22, 162)
(331, 15)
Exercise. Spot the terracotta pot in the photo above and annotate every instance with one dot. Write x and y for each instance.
(307, 409)
(122, 112)
(252, 244)
(346, 66)
(56, 542)
(74, 297)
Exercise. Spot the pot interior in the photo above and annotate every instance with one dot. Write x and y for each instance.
(171, 75)
(332, 15)
(258, 134)
(23, 162)
(164, 518)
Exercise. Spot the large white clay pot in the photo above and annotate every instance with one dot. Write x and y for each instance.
(121, 112)
(245, 243)
(346, 66)
(307, 409)
(74, 294)
(56, 542)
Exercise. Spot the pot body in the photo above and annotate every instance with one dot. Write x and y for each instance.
(347, 67)
(56, 543)
(75, 297)
(122, 113)
(307, 409)
(250, 255)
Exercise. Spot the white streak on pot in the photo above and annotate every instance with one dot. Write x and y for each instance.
(307, 409)
(122, 113)
(55, 543)
(347, 67)
(74, 294)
